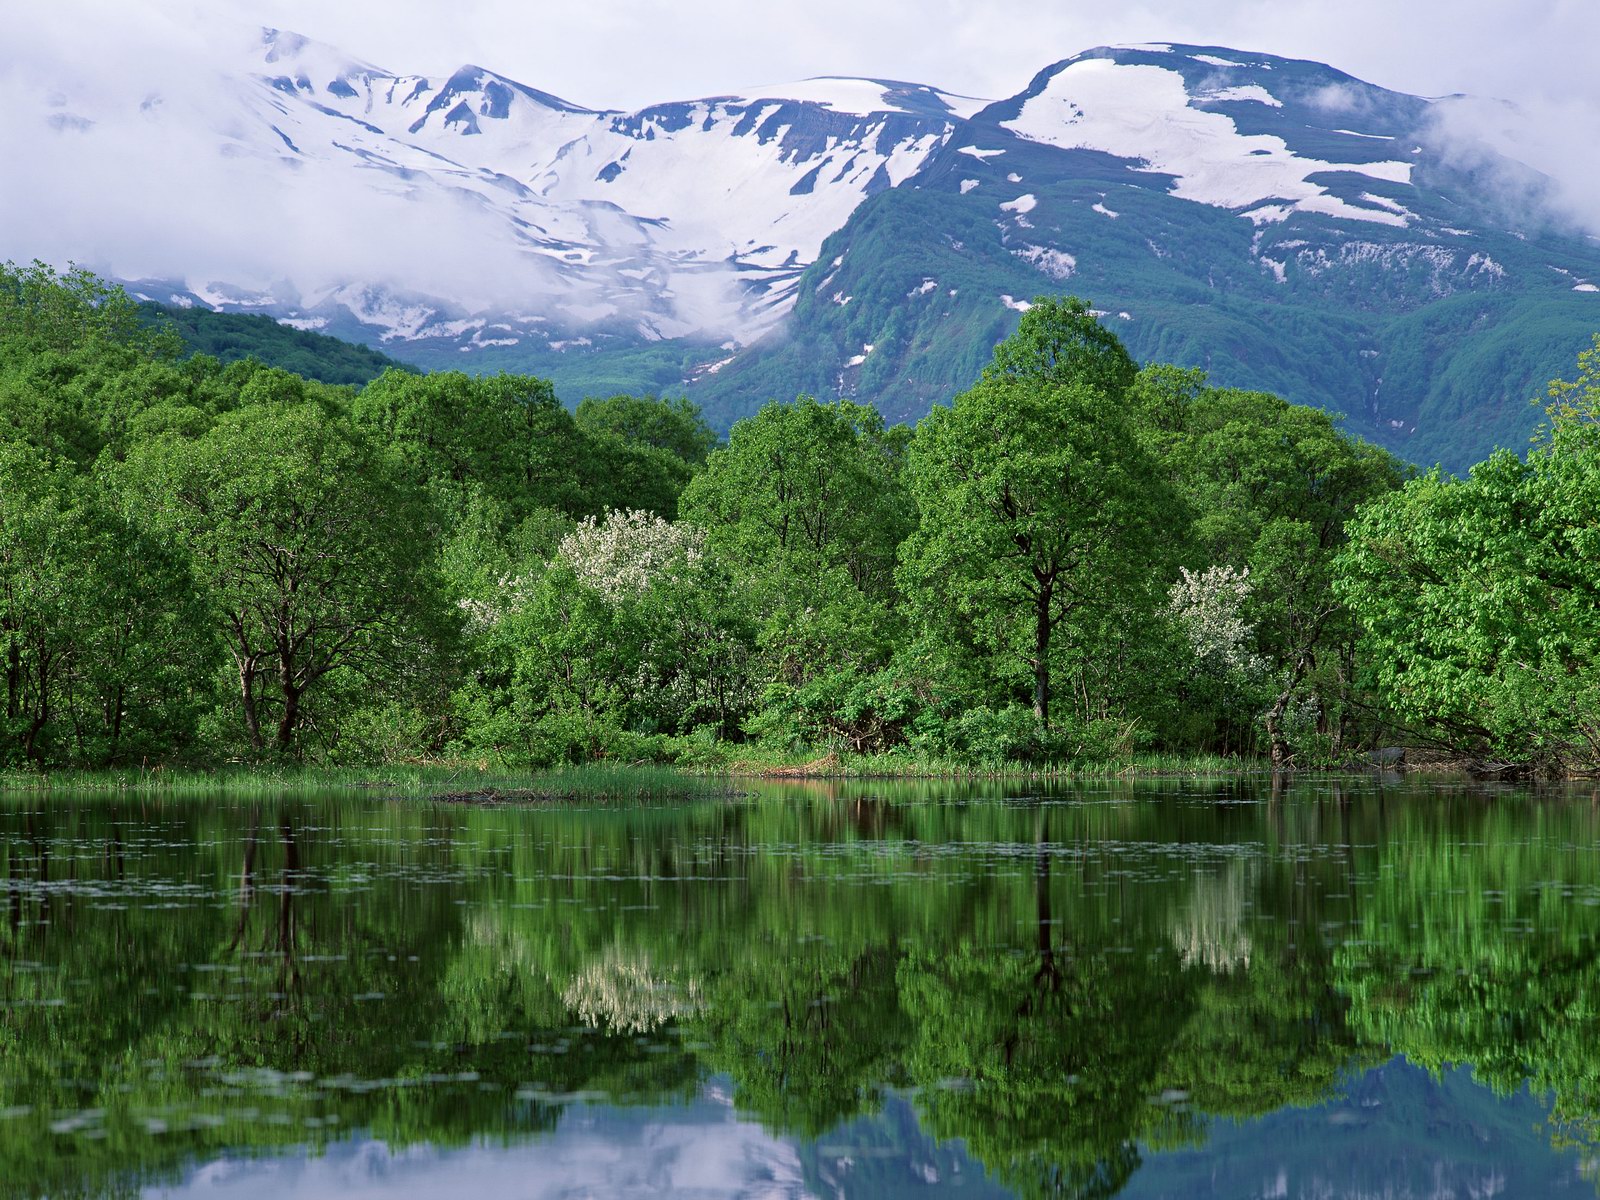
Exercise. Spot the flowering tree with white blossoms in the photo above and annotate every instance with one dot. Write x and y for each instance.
(629, 550)
(629, 630)
(1208, 606)
(654, 577)
(619, 556)
(1226, 682)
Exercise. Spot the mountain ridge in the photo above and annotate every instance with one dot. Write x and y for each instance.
(1229, 209)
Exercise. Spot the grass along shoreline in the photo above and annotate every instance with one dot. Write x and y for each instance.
(477, 782)
(452, 781)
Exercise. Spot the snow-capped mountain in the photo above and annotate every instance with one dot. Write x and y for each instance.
(1281, 223)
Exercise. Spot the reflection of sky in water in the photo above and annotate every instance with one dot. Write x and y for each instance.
(701, 1150)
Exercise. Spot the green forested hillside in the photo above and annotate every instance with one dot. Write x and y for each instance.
(230, 337)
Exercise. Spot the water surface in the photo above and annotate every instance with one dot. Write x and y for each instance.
(1349, 988)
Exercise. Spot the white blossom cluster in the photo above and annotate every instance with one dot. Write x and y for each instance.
(629, 550)
(511, 592)
(1207, 606)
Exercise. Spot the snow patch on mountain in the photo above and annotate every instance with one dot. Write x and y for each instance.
(1389, 203)
(1448, 271)
(1248, 93)
(965, 107)
(857, 97)
(1057, 264)
(1143, 113)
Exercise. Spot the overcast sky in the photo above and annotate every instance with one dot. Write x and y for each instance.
(627, 53)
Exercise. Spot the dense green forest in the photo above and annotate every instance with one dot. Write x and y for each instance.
(1076, 559)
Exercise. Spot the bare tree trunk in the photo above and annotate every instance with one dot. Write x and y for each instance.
(30, 740)
(116, 723)
(1274, 720)
(14, 681)
(41, 709)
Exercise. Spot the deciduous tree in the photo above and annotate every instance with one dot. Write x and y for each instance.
(309, 546)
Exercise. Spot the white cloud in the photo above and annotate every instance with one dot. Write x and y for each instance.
(700, 1151)
(1543, 133)
(627, 53)
(81, 101)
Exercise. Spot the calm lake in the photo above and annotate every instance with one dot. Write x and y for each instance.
(1353, 988)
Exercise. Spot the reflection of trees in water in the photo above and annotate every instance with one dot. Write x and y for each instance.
(1044, 1055)
(1035, 976)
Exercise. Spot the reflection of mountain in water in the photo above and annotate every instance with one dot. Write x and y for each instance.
(1398, 1133)
(855, 990)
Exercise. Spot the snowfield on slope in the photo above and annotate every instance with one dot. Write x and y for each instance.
(1144, 113)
